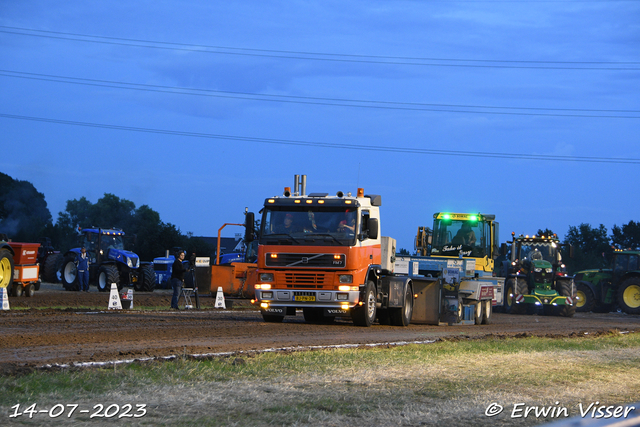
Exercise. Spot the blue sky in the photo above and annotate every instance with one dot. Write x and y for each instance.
(533, 78)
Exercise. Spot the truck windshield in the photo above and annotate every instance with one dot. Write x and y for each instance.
(452, 237)
(547, 251)
(331, 226)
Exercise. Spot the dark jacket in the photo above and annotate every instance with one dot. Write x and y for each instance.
(178, 270)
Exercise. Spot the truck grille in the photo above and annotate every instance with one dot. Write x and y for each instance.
(305, 260)
(305, 280)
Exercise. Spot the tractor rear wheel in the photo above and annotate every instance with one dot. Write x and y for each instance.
(6, 269)
(402, 316)
(69, 273)
(365, 314)
(107, 275)
(521, 288)
(629, 295)
(51, 268)
(585, 300)
(565, 291)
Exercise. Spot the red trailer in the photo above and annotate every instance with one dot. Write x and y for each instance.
(25, 269)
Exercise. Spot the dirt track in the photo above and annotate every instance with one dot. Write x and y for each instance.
(37, 337)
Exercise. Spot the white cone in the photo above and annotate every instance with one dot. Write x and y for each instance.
(114, 298)
(220, 299)
(4, 299)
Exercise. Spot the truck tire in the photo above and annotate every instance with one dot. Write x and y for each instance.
(30, 290)
(107, 275)
(521, 288)
(51, 268)
(365, 314)
(566, 310)
(629, 295)
(69, 273)
(147, 279)
(487, 312)
(402, 316)
(6, 269)
(585, 301)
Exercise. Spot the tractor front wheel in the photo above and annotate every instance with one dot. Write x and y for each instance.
(107, 275)
(51, 268)
(6, 269)
(147, 278)
(629, 295)
(566, 310)
(69, 273)
(584, 298)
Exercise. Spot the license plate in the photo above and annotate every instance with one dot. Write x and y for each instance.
(304, 298)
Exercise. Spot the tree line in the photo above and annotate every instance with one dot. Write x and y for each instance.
(25, 217)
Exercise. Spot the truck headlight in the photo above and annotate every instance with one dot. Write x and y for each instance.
(266, 277)
(267, 295)
(343, 297)
(262, 286)
(345, 278)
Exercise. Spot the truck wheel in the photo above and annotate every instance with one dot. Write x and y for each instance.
(402, 316)
(69, 273)
(487, 314)
(509, 295)
(477, 313)
(6, 269)
(629, 295)
(566, 310)
(584, 298)
(51, 268)
(107, 275)
(520, 288)
(272, 318)
(18, 290)
(147, 279)
(30, 290)
(365, 314)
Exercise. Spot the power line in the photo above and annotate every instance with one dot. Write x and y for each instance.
(340, 102)
(321, 56)
(408, 150)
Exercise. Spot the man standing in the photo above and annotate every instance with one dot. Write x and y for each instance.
(83, 270)
(177, 279)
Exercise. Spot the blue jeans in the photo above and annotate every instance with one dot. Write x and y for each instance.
(176, 284)
(83, 280)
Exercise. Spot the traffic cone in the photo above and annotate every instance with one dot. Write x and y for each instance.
(114, 298)
(4, 299)
(220, 299)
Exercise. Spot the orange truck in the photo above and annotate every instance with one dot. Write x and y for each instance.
(325, 255)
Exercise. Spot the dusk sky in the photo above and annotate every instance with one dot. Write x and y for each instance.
(529, 110)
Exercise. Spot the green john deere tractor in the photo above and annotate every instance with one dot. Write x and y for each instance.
(605, 289)
(535, 277)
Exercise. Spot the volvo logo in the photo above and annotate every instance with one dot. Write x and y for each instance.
(305, 260)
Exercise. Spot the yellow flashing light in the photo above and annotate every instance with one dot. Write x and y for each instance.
(360, 192)
(347, 202)
(271, 201)
(296, 201)
(320, 202)
(309, 201)
(336, 256)
(273, 255)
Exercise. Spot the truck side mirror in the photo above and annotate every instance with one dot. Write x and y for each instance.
(249, 222)
(373, 228)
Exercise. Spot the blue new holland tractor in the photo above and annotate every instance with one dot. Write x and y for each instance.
(110, 263)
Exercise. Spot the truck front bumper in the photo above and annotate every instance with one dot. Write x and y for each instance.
(307, 298)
